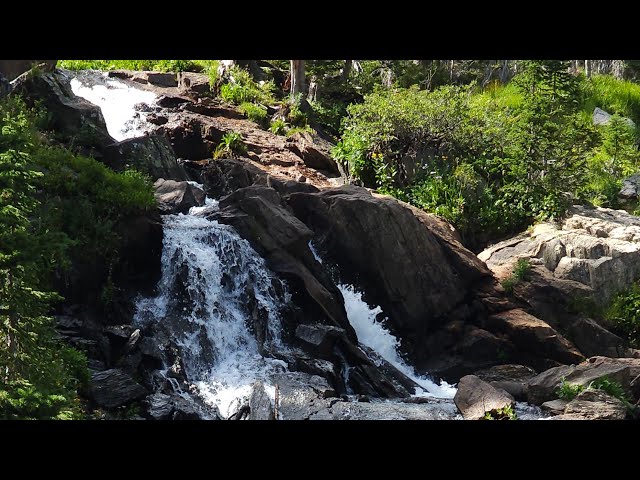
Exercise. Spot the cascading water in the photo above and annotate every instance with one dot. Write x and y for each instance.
(213, 283)
(216, 299)
(374, 335)
(117, 100)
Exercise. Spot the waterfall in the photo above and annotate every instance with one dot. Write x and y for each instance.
(217, 298)
(117, 100)
(373, 334)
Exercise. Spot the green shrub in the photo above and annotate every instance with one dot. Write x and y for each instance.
(57, 210)
(624, 314)
(241, 88)
(231, 145)
(278, 127)
(255, 113)
(569, 391)
(522, 269)
(504, 413)
(610, 387)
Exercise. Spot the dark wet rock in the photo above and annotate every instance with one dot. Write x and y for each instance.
(160, 406)
(139, 265)
(321, 338)
(114, 388)
(160, 79)
(475, 397)
(416, 280)
(260, 404)
(300, 395)
(177, 197)
(513, 379)
(11, 69)
(73, 118)
(593, 339)
(258, 214)
(596, 405)
(151, 154)
(533, 337)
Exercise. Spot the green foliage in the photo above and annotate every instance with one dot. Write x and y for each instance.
(296, 116)
(569, 391)
(522, 269)
(256, 113)
(504, 413)
(612, 95)
(624, 314)
(615, 158)
(489, 162)
(278, 127)
(153, 65)
(508, 284)
(241, 88)
(56, 209)
(610, 387)
(231, 145)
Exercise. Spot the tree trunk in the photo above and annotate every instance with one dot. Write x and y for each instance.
(587, 68)
(298, 83)
(346, 70)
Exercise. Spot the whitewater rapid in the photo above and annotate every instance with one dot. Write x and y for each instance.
(117, 100)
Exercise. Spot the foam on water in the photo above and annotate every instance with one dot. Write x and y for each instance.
(215, 293)
(117, 101)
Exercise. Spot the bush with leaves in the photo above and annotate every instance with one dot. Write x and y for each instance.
(56, 209)
(624, 314)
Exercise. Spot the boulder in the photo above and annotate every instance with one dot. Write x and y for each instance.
(577, 265)
(139, 258)
(72, 117)
(177, 197)
(555, 407)
(533, 337)
(151, 154)
(11, 69)
(593, 253)
(600, 117)
(114, 388)
(475, 397)
(160, 406)
(593, 339)
(320, 338)
(544, 386)
(407, 261)
(260, 404)
(313, 150)
(299, 395)
(596, 405)
(190, 83)
(513, 379)
(630, 188)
